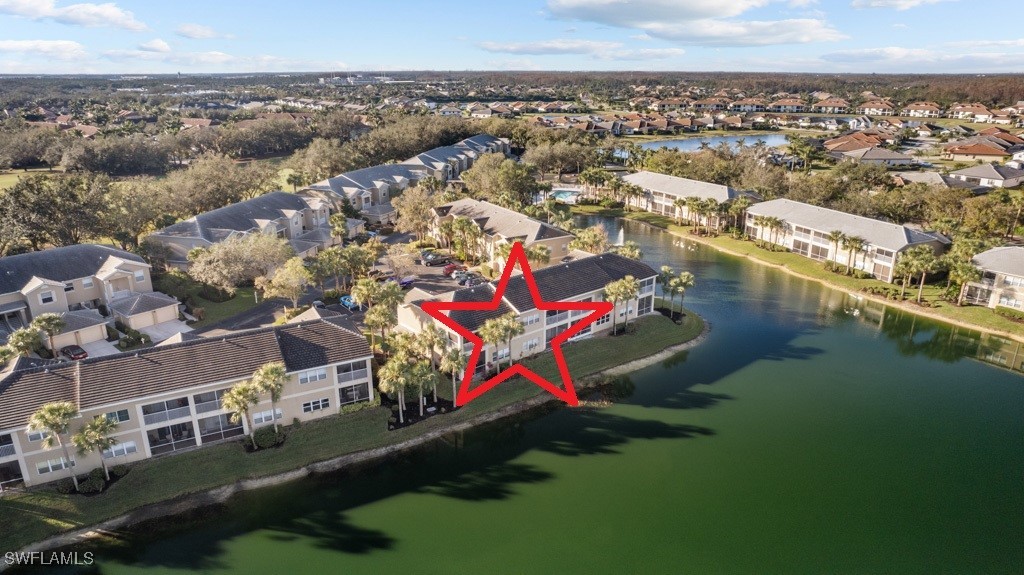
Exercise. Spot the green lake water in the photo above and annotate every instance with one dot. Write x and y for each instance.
(810, 433)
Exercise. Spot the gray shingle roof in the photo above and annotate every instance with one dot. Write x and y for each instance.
(81, 319)
(990, 171)
(496, 220)
(878, 233)
(681, 187)
(57, 264)
(216, 225)
(121, 377)
(1006, 260)
(562, 282)
(141, 303)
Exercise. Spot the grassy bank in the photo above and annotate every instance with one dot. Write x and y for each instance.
(976, 317)
(42, 512)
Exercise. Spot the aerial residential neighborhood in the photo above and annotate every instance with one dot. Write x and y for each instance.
(569, 286)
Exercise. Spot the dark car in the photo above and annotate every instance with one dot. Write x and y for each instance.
(475, 282)
(346, 301)
(452, 268)
(73, 352)
(435, 259)
(464, 280)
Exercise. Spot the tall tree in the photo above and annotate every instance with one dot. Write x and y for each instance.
(51, 324)
(270, 378)
(414, 207)
(454, 362)
(240, 400)
(54, 418)
(96, 436)
(289, 281)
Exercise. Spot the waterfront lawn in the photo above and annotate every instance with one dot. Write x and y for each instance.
(981, 317)
(42, 512)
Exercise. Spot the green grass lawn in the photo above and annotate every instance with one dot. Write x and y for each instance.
(42, 512)
(981, 317)
(217, 311)
(9, 178)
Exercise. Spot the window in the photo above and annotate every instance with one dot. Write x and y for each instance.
(140, 276)
(501, 354)
(313, 375)
(316, 405)
(531, 345)
(54, 465)
(645, 305)
(266, 416)
(46, 297)
(38, 435)
(531, 319)
(354, 393)
(87, 283)
(1011, 302)
(647, 286)
(165, 410)
(219, 427)
(209, 400)
(352, 371)
(69, 286)
(606, 318)
(120, 449)
(1014, 281)
(118, 416)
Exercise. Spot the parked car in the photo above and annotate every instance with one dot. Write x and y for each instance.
(452, 268)
(346, 300)
(435, 259)
(73, 352)
(426, 252)
(466, 279)
(567, 259)
(406, 282)
(461, 275)
(379, 274)
(319, 304)
(475, 282)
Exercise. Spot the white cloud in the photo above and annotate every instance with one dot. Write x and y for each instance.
(989, 43)
(198, 32)
(897, 4)
(699, 22)
(84, 14)
(155, 45)
(213, 61)
(60, 49)
(898, 25)
(643, 37)
(548, 47)
(596, 49)
(899, 59)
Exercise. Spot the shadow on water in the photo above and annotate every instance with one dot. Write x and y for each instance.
(477, 465)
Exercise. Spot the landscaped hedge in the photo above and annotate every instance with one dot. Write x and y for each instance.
(1009, 313)
(267, 437)
(132, 337)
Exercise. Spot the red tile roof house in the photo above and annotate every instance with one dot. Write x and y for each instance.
(788, 106)
(876, 108)
(923, 110)
(831, 106)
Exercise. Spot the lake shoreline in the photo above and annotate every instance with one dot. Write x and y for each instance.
(905, 305)
(193, 501)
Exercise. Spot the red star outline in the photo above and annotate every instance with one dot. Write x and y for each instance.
(518, 255)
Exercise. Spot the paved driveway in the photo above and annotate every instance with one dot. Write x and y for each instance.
(162, 331)
(100, 348)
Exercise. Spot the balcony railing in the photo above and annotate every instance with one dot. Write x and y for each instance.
(7, 450)
(352, 375)
(168, 415)
(560, 316)
(208, 406)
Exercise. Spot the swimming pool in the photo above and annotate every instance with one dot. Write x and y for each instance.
(565, 196)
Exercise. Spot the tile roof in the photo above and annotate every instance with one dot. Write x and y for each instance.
(117, 378)
(58, 264)
(878, 233)
(1006, 260)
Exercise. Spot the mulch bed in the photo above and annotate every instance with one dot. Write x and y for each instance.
(412, 411)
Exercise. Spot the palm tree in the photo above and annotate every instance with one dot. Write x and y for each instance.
(693, 204)
(679, 285)
(630, 291)
(240, 400)
(393, 378)
(709, 207)
(422, 373)
(904, 269)
(737, 208)
(616, 291)
(365, 291)
(432, 339)
(269, 378)
(23, 340)
(446, 229)
(381, 318)
(852, 244)
(511, 328)
(295, 179)
(453, 362)
(493, 333)
(7, 353)
(51, 324)
(538, 254)
(97, 435)
(679, 204)
(836, 237)
(963, 272)
(629, 249)
(924, 262)
(54, 418)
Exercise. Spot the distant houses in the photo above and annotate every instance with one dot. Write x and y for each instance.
(991, 175)
(805, 230)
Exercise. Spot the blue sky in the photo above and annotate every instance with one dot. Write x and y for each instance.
(123, 36)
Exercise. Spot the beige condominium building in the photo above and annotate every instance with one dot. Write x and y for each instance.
(1002, 280)
(581, 280)
(805, 230)
(167, 398)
